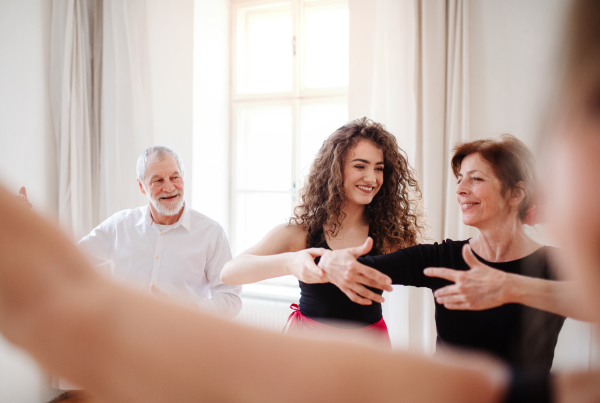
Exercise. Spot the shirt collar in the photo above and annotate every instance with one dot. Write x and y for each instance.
(184, 220)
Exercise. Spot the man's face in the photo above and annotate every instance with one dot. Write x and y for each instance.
(163, 185)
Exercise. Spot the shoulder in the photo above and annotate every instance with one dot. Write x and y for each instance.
(204, 222)
(285, 237)
(294, 235)
(542, 263)
(125, 216)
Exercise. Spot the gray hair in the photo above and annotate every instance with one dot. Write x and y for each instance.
(159, 152)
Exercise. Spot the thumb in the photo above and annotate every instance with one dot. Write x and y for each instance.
(314, 252)
(469, 257)
(23, 192)
(155, 289)
(363, 249)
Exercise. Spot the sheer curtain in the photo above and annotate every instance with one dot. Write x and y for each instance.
(409, 71)
(126, 128)
(100, 109)
(99, 101)
(72, 87)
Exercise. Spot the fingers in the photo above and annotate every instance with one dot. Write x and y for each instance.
(316, 270)
(458, 306)
(363, 249)
(366, 293)
(354, 297)
(452, 300)
(468, 255)
(381, 283)
(314, 252)
(23, 192)
(448, 274)
(371, 277)
(446, 291)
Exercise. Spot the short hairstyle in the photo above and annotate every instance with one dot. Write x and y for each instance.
(511, 161)
(159, 152)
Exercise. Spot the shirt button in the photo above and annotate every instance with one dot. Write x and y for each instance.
(161, 234)
(158, 257)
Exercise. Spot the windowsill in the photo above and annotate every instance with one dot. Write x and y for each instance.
(271, 292)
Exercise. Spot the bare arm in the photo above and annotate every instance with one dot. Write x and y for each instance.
(281, 252)
(484, 287)
(127, 347)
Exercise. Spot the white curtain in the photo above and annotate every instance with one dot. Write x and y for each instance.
(99, 102)
(100, 107)
(126, 121)
(409, 71)
(72, 82)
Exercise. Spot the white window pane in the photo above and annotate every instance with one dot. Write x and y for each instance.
(264, 148)
(326, 34)
(264, 49)
(317, 122)
(257, 214)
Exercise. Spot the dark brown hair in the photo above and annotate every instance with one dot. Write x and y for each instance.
(511, 161)
(394, 221)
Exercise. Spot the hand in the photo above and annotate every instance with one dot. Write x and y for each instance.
(23, 196)
(480, 288)
(351, 277)
(304, 268)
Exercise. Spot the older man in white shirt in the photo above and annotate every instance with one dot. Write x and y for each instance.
(166, 247)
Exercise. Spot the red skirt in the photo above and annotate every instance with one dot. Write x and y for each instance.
(297, 322)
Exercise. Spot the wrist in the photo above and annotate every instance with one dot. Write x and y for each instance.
(510, 290)
(290, 262)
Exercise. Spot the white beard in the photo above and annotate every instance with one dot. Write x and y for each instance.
(168, 208)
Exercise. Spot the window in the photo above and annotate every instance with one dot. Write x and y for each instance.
(289, 92)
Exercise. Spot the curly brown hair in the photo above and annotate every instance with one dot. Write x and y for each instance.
(393, 216)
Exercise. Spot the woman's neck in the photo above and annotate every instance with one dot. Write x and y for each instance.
(503, 242)
(354, 215)
(354, 229)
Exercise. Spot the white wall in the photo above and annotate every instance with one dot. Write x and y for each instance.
(513, 46)
(28, 154)
(26, 139)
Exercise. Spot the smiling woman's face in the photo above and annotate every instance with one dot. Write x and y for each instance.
(363, 172)
(479, 193)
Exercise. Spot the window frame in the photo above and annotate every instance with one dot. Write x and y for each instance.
(274, 289)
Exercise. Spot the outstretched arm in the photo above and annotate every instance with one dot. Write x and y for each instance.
(281, 252)
(484, 287)
(127, 347)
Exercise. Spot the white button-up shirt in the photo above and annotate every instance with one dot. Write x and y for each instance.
(183, 260)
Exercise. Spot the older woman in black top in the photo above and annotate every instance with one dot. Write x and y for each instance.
(495, 190)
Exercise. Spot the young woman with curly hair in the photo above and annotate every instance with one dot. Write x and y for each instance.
(359, 185)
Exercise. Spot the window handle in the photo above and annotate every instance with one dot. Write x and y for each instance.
(293, 45)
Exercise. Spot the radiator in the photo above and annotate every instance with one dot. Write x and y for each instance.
(264, 313)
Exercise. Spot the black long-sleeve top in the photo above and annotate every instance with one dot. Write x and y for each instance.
(520, 335)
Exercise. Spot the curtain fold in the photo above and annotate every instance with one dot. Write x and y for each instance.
(100, 107)
(71, 92)
(409, 71)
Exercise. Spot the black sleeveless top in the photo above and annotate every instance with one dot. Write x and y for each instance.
(326, 303)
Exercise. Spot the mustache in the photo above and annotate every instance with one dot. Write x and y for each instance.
(173, 193)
